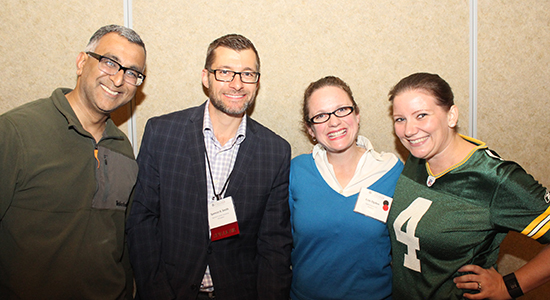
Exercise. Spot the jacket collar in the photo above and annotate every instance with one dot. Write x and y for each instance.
(63, 106)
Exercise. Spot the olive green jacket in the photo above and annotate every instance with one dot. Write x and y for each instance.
(63, 201)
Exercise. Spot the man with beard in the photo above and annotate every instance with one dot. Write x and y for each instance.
(66, 174)
(210, 216)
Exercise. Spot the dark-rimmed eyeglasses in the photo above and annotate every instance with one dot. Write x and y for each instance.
(111, 67)
(228, 75)
(340, 113)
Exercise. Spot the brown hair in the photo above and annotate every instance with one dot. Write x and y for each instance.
(235, 42)
(325, 81)
(428, 83)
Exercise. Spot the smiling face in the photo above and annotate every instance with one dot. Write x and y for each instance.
(102, 93)
(337, 135)
(232, 98)
(425, 128)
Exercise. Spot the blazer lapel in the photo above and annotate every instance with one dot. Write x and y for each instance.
(195, 140)
(244, 157)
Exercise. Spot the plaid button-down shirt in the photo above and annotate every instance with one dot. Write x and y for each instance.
(221, 159)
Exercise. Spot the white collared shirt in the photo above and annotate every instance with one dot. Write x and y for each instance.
(371, 167)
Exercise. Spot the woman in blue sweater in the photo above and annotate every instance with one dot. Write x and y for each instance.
(340, 196)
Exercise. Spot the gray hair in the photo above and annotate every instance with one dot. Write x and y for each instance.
(126, 32)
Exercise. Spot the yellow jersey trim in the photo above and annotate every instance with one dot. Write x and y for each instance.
(479, 145)
(539, 226)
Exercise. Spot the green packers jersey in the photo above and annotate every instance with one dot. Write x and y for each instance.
(439, 224)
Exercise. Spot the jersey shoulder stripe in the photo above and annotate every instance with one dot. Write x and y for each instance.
(539, 226)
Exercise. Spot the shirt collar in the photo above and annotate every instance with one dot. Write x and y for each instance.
(208, 129)
(362, 142)
(62, 104)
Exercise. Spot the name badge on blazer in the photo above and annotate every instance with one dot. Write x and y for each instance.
(373, 204)
(222, 219)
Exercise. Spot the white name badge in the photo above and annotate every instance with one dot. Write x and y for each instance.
(373, 204)
(222, 219)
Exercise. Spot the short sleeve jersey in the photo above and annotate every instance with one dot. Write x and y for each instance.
(439, 224)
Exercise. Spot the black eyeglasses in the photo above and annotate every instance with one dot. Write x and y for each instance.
(228, 75)
(340, 113)
(112, 67)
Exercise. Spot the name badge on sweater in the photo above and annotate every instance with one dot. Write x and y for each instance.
(373, 204)
(222, 219)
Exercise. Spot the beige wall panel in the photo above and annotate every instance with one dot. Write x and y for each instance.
(513, 95)
(369, 44)
(514, 82)
(39, 42)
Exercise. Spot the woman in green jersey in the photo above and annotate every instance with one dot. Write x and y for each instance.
(455, 201)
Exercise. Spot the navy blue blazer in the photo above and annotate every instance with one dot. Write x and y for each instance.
(168, 232)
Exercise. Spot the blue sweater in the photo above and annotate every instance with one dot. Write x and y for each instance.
(337, 253)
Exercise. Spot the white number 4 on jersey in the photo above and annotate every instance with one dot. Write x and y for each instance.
(412, 214)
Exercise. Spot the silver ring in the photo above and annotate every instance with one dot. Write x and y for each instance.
(479, 286)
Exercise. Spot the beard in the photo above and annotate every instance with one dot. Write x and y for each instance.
(233, 111)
